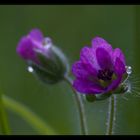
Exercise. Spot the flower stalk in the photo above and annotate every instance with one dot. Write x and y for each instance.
(111, 115)
(80, 105)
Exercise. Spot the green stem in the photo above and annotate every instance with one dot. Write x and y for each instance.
(80, 106)
(27, 115)
(111, 115)
(3, 118)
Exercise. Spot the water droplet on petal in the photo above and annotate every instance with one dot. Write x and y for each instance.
(30, 69)
(128, 70)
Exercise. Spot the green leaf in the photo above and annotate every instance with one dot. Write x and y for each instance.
(35, 121)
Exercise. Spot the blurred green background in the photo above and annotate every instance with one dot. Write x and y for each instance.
(70, 27)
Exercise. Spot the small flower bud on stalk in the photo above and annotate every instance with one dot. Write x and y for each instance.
(47, 62)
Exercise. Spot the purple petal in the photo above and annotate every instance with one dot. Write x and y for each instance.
(100, 42)
(103, 58)
(103, 51)
(119, 67)
(85, 86)
(36, 35)
(83, 71)
(115, 83)
(118, 53)
(87, 55)
(119, 71)
(79, 71)
(25, 49)
(97, 41)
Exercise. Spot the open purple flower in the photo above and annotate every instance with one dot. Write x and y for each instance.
(100, 68)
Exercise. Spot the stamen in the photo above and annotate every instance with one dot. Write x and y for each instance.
(105, 74)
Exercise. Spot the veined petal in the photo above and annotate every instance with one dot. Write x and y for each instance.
(84, 71)
(87, 55)
(97, 41)
(79, 71)
(119, 67)
(103, 52)
(118, 53)
(85, 86)
(100, 42)
(103, 58)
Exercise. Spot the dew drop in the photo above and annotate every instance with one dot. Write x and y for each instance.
(30, 69)
(128, 70)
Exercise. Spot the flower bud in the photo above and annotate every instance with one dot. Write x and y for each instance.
(48, 63)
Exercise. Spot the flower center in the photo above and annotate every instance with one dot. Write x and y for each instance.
(105, 74)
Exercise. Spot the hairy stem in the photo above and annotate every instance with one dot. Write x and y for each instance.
(80, 106)
(4, 124)
(111, 115)
(27, 115)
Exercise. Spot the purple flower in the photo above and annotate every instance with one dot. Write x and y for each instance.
(100, 68)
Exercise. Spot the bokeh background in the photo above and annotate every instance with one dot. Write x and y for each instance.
(71, 27)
